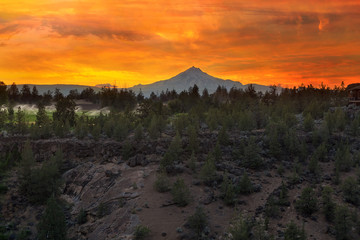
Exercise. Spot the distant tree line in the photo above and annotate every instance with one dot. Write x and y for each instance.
(122, 99)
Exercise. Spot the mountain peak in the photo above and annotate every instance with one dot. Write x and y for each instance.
(194, 69)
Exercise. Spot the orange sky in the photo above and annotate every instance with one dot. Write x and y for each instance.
(90, 42)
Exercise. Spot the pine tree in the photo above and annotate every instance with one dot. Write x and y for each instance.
(173, 153)
(293, 232)
(193, 139)
(154, 129)
(181, 193)
(283, 198)
(343, 159)
(245, 185)
(351, 191)
(161, 183)
(20, 121)
(208, 170)
(328, 204)
(65, 111)
(314, 167)
(252, 158)
(52, 225)
(228, 191)
(308, 123)
(343, 223)
(26, 163)
(192, 162)
(198, 221)
(307, 203)
(41, 117)
(3, 118)
(241, 228)
(223, 137)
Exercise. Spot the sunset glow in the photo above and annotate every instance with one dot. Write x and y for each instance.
(128, 42)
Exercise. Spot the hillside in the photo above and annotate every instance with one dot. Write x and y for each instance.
(118, 193)
(192, 167)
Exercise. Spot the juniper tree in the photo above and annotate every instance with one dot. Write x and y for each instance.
(198, 221)
(181, 193)
(293, 232)
(307, 203)
(241, 228)
(162, 183)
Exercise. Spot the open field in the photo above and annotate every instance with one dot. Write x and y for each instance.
(82, 108)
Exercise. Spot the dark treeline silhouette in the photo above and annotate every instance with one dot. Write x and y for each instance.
(236, 108)
(122, 99)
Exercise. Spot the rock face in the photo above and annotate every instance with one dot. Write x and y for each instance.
(107, 193)
(96, 181)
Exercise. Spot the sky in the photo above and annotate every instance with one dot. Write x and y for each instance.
(127, 42)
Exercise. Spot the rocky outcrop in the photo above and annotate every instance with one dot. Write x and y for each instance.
(108, 194)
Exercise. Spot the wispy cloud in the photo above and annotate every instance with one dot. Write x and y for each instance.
(82, 29)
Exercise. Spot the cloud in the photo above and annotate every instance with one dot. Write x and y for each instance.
(11, 28)
(100, 41)
(100, 29)
(323, 22)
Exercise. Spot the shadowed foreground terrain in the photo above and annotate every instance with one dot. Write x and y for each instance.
(221, 166)
(96, 175)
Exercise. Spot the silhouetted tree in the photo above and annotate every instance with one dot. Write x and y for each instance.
(65, 111)
(3, 93)
(58, 95)
(25, 94)
(35, 94)
(307, 203)
(13, 93)
(47, 97)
